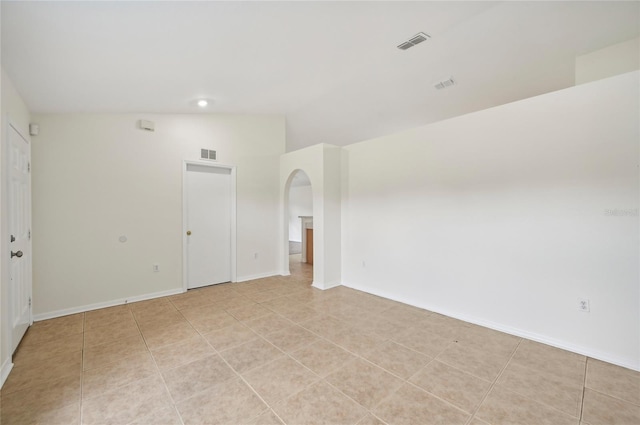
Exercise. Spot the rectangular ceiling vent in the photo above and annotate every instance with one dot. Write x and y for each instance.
(416, 39)
(444, 84)
(207, 154)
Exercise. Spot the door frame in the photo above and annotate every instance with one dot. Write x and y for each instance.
(232, 169)
(5, 265)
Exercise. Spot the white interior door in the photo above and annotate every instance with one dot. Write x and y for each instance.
(19, 211)
(208, 225)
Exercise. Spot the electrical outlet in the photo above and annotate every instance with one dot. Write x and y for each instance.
(583, 305)
(156, 268)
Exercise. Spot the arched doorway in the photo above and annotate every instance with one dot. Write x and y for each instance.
(299, 213)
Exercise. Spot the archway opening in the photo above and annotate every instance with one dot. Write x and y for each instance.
(299, 211)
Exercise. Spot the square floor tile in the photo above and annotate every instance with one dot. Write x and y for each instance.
(102, 354)
(453, 385)
(206, 319)
(126, 404)
(119, 373)
(266, 418)
(183, 352)
(504, 407)
(554, 361)
(356, 342)
(410, 405)
(601, 409)
(397, 359)
(248, 312)
(422, 341)
(187, 380)
(323, 357)
(109, 334)
(473, 360)
(56, 367)
(165, 416)
(319, 404)
(291, 338)
(267, 324)
(279, 379)
(23, 405)
(365, 383)
(251, 355)
(230, 402)
(172, 334)
(230, 336)
(613, 380)
(30, 353)
(555, 391)
(108, 317)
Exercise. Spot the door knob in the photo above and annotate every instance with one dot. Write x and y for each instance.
(16, 254)
(188, 232)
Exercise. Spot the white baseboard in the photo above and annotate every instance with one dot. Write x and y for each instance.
(6, 369)
(257, 276)
(585, 351)
(327, 285)
(96, 306)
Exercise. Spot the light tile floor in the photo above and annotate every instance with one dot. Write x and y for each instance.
(276, 351)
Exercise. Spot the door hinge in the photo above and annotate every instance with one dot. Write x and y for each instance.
(29, 234)
(28, 167)
(29, 301)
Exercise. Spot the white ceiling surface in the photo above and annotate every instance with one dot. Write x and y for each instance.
(331, 67)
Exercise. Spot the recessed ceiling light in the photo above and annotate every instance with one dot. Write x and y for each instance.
(202, 103)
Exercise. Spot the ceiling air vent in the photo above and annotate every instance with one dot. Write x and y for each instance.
(416, 39)
(444, 84)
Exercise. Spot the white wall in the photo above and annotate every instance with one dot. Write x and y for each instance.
(612, 60)
(501, 218)
(322, 165)
(15, 111)
(96, 177)
(300, 204)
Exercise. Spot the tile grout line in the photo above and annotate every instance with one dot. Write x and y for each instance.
(359, 356)
(321, 379)
(584, 390)
(173, 402)
(84, 324)
(494, 382)
(523, 395)
(244, 380)
(218, 353)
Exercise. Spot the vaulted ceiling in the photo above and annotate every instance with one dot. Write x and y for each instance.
(332, 68)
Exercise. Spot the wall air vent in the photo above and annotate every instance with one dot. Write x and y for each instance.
(416, 39)
(147, 125)
(444, 84)
(207, 154)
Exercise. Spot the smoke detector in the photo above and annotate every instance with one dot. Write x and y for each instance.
(444, 83)
(416, 39)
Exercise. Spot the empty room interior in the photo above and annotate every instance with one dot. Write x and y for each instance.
(301, 213)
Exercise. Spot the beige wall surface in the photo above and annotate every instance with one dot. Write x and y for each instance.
(99, 177)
